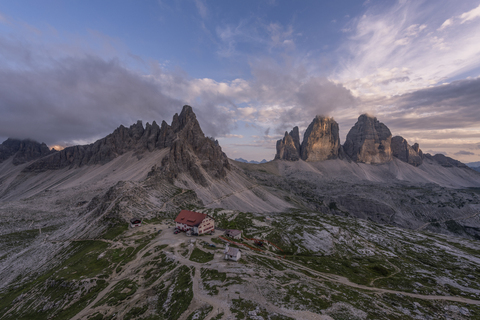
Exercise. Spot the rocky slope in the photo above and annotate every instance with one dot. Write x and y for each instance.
(320, 267)
(23, 151)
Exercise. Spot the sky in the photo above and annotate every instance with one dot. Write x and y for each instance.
(73, 71)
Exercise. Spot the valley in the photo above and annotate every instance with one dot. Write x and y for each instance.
(379, 237)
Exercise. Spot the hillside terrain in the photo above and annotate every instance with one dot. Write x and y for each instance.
(371, 229)
(325, 267)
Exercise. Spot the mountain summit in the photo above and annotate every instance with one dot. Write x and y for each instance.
(369, 141)
(321, 141)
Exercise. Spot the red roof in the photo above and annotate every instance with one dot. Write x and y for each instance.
(190, 218)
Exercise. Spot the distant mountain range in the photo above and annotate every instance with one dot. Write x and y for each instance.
(251, 161)
(474, 165)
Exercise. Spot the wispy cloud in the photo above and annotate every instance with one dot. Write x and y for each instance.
(202, 8)
(403, 41)
(462, 18)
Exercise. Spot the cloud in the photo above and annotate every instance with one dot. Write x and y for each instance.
(229, 135)
(436, 152)
(402, 41)
(470, 15)
(252, 36)
(462, 18)
(278, 96)
(202, 8)
(78, 99)
(464, 153)
(448, 106)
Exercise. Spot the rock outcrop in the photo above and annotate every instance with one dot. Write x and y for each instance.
(321, 140)
(23, 150)
(288, 148)
(369, 141)
(403, 151)
(445, 161)
(189, 149)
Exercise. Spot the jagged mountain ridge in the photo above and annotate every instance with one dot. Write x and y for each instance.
(184, 137)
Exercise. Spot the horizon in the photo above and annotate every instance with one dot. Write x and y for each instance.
(73, 72)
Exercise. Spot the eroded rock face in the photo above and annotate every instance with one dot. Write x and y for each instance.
(369, 141)
(189, 148)
(288, 148)
(321, 140)
(23, 150)
(403, 151)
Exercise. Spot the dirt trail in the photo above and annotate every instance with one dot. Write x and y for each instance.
(345, 281)
(397, 270)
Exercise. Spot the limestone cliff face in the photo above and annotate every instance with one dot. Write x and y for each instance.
(189, 149)
(288, 148)
(369, 141)
(321, 140)
(403, 151)
(23, 150)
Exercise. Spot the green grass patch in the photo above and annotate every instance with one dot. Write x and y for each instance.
(135, 312)
(209, 277)
(201, 256)
(115, 231)
(179, 294)
(121, 291)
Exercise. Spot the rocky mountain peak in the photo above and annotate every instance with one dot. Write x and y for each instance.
(369, 141)
(189, 147)
(23, 150)
(288, 148)
(321, 140)
(403, 151)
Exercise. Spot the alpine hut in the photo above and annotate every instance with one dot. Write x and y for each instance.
(196, 222)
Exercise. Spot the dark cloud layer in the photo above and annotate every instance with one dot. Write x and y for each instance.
(464, 153)
(77, 98)
(449, 106)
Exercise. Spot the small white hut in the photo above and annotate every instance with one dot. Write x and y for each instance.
(233, 254)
